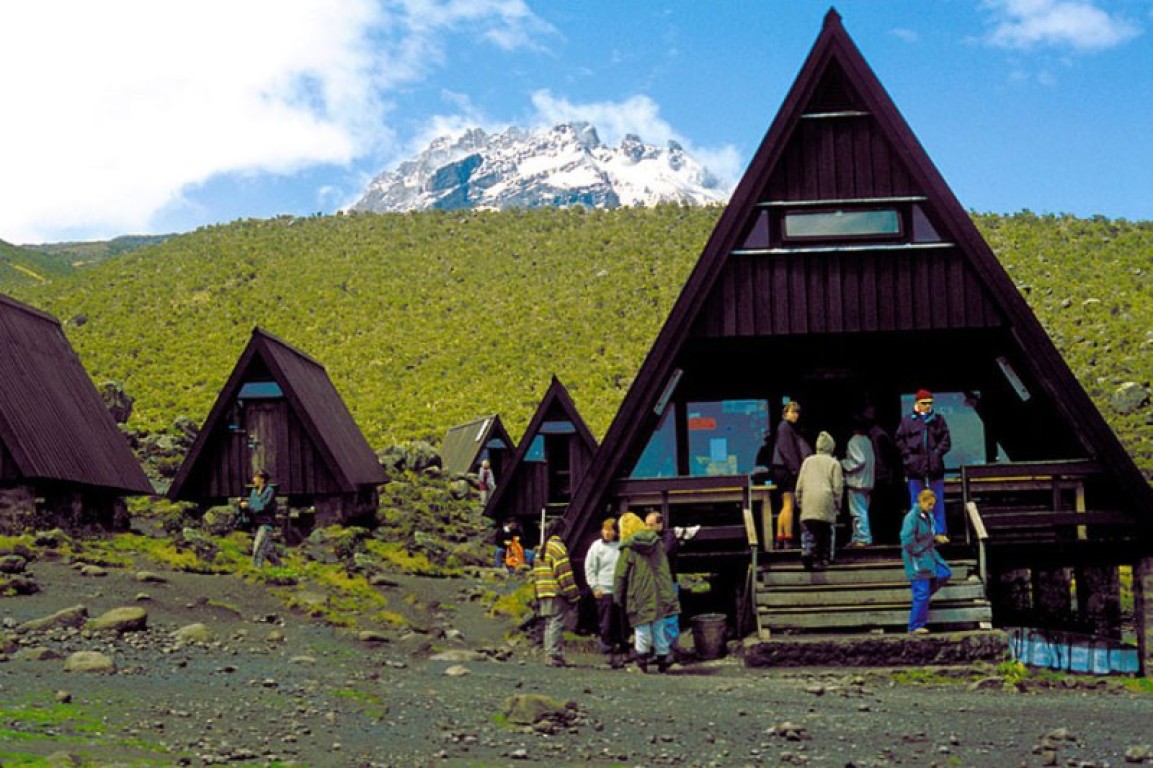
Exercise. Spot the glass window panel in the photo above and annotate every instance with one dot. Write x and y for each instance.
(842, 223)
(535, 450)
(659, 458)
(966, 428)
(724, 436)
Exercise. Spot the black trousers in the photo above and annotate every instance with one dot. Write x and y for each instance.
(611, 625)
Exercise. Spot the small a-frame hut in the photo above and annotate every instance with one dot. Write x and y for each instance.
(279, 411)
(63, 461)
(466, 445)
(844, 274)
(550, 459)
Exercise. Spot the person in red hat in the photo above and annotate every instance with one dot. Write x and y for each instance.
(923, 438)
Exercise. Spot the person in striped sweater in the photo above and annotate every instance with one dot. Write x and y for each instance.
(556, 590)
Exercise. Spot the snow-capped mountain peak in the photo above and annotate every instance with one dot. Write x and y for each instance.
(562, 166)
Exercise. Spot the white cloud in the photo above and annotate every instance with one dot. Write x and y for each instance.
(639, 115)
(121, 104)
(1078, 24)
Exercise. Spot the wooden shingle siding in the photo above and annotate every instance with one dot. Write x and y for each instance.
(54, 426)
(319, 450)
(859, 291)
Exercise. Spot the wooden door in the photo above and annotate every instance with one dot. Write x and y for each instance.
(265, 421)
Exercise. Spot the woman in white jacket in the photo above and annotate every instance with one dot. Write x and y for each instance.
(600, 564)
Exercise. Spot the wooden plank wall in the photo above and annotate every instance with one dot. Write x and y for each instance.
(300, 468)
(845, 292)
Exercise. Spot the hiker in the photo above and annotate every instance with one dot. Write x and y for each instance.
(485, 481)
(887, 502)
(820, 485)
(925, 569)
(789, 450)
(555, 589)
(859, 466)
(655, 522)
(261, 506)
(643, 586)
(600, 565)
(923, 438)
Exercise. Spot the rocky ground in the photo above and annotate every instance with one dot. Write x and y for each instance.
(219, 671)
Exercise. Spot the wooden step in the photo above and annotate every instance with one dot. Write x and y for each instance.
(975, 616)
(793, 575)
(873, 595)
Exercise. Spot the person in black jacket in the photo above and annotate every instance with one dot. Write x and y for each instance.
(789, 450)
(923, 438)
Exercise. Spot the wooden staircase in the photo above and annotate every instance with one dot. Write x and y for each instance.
(864, 590)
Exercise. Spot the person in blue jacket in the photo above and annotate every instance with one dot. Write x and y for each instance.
(261, 505)
(925, 569)
(923, 437)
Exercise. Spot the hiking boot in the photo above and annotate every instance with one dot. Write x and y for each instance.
(557, 661)
(643, 660)
(920, 631)
(663, 664)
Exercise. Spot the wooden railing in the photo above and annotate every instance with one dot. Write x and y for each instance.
(1037, 503)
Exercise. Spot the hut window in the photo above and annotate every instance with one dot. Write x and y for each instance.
(260, 390)
(535, 450)
(724, 435)
(841, 223)
(966, 428)
(659, 458)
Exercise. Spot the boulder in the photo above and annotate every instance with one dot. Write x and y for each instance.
(130, 619)
(193, 633)
(149, 577)
(36, 654)
(89, 661)
(68, 617)
(12, 564)
(529, 708)
(1129, 398)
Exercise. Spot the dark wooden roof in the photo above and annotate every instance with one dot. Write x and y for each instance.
(931, 306)
(463, 444)
(54, 425)
(556, 405)
(311, 397)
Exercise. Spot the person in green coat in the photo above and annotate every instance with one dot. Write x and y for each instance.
(643, 587)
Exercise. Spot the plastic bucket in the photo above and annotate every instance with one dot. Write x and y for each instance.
(709, 635)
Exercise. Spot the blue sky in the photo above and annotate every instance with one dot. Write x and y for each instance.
(136, 116)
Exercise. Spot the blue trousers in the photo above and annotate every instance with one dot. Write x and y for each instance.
(859, 512)
(937, 486)
(923, 591)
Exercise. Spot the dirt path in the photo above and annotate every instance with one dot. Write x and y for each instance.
(272, 687)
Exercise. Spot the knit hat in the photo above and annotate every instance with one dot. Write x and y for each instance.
(630, 524)
(923, 394)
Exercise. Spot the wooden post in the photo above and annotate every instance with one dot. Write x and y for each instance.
(1011, 594)
(1099, 600)
(1052, 596)
(1143, 613)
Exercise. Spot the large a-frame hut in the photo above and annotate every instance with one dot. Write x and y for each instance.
(279, 411)
(63, 461)
(466, 445)
(550, 459)
(844, 274)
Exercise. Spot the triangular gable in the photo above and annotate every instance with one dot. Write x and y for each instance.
(751, 287)
(312, 399)
(463, 445)
(54, 426)
(556, 406)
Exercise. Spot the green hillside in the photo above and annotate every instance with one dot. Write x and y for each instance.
(428, 320)
(23, 266)
(85, 254)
